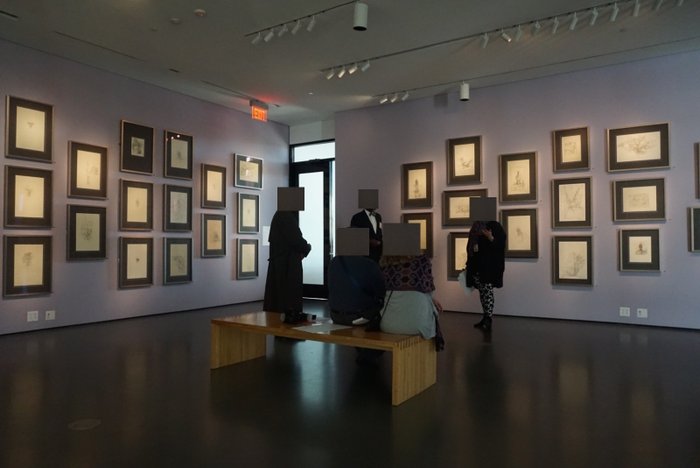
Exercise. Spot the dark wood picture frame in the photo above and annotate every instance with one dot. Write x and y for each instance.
(177, 208)
(135, 205)
(178, 150)
(87, 232)
(247, 258)
(213, 235)
(456, 253)
(248, 213)
(638, 250)
(464, 160)
(639, 200)
(28, 198)
(571, 203)
(29, 258)
(642, 147)
(87, 171)
(520, 225)
(136, 148)
(213, 186)
(417, 185)
(425, 223)
(572, 258)
(248, 172)
(29, 130)
(694, 229)
(177, 260)
(456, 206)
(518, 177)
(570, 149)
(135, 262)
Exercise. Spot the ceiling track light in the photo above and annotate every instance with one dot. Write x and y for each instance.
(341, 73)
(256, 39)
(282, 31)
(506, 37)
(614, 12)
(297, 27)
(536, 26)
(269, 35)
(352, 69)
(405, 96)
(365, 66)
(330, 73)
(679, 3)
(484, 40)
(360, 17)
(394, 98)
(594, 16)
(555, 25)
(518, 33)
(574, 21)
(658, 4)
(464, 91)
(383, 99)
(312, 24)
(635, 8)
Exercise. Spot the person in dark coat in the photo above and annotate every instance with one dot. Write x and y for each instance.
(285, 277)
(485, 265)
(371, 219)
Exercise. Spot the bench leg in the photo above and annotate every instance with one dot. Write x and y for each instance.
(414, 368)
(231, 345)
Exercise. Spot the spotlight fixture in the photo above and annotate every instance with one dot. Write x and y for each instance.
(330, 73)
(297, 27)
(635, 8)
(394, 98)
(405, 96)
(614, 12)
(464, 91)
(657, 5)
(555, 25)
(484, 40)
(282, 31)
(365, 66)
(518, 33)
(679, 3)
(256, 39)
(312, 24)
(384, 99)
(505, 36)
(360, 17)
(353, 68)
(536, 26)
(594, 16)
(269, 35)
(341, 72)
(574, 21)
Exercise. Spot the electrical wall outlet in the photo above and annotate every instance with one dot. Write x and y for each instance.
(33, 316)
(624, 311)
(50, 315)
(642, 313)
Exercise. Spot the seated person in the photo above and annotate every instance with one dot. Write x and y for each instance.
(355, 282)
(409, 306)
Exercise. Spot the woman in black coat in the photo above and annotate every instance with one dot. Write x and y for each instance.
(486, 264)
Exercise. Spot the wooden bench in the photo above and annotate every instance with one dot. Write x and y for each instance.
(243, 337)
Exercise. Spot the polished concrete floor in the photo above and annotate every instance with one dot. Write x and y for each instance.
(536, 393)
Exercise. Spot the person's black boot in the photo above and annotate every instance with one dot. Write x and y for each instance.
(480, 323)
(487, 324)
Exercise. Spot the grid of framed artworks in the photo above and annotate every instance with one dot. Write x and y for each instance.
(28, 201)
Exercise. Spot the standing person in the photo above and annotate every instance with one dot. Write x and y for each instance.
(485, 265)
(368, 200)
(285, 276)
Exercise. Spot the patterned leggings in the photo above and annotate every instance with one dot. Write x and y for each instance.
(485, 296)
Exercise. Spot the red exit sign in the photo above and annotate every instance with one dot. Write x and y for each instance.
(258, 113)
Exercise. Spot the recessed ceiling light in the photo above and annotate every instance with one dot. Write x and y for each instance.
(176, 21)
(199, 13)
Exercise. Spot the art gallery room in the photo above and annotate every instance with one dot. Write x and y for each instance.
(144, 143)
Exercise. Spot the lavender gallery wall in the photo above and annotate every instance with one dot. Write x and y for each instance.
(88, 105)
(520, 117)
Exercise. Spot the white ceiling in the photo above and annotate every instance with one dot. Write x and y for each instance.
(212, 58)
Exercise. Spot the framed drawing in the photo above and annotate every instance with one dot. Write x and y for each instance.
(521, 232)
(135, 262)
(177, 208)
(136, 148)
(247, 259)
(638, 250)
(456, 206)
(464, 161)
(87, 227)
(573, 260)
(249, 171)
(27, 265)
(518, 177)
(571, 203)
(636, 200)
(570, 149)
(177, 260)
(87, 171)
(213, 186)
(28, 198)
(213, 235)
(248, 213)
(417, 185)
(425, 222)
(456, 253)
(641, 147)
(135, 205)
(178, 155)
(29, 130)
(694, 229)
